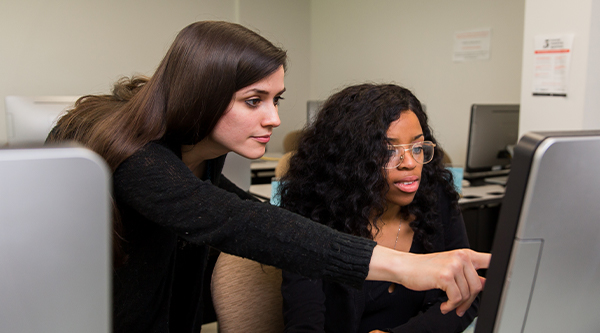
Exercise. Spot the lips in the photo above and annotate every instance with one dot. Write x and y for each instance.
(408, 184)
(262, 139)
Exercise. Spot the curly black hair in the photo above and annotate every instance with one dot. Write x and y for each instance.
(335, 177)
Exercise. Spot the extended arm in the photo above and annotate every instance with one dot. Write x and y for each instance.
(158, 185)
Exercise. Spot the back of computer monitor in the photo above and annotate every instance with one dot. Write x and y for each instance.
(545, 270)
(29, 119)
(55, 248)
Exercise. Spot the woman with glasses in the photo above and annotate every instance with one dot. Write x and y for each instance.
(369, 166)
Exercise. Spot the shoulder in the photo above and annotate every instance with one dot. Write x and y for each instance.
(152, 153)
(155, 147)
(149, 163)
(445, 207)
(449, 222)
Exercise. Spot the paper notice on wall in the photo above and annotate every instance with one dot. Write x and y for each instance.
(472, 45)
(551, 62)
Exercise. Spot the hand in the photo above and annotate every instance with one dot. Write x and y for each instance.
(454, 272)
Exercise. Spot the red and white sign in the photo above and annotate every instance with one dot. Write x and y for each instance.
(551, 62)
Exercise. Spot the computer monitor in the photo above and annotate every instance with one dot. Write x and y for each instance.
(29, 119)
(493, 132)
(55, 240)
(544, 275)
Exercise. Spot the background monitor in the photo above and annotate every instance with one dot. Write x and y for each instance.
(237, 170)
(55, 241)
(544, 275)
(29, 119)
(312, 108)
(493, 131)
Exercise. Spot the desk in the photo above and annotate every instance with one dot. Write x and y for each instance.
(480, 207)
(263, 170)
(473, 196)
(262, 191)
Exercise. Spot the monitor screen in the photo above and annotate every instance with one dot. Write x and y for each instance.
(29, 119)
(544, 275)
(493, 132)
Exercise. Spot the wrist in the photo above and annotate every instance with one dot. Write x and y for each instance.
(388, 265)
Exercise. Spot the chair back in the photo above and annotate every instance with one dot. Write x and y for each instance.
(246, 296)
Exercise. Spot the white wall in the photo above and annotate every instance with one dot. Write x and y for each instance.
(286, 23)
(74, 47)
(410, 43)
(581, 108)
(71, 47)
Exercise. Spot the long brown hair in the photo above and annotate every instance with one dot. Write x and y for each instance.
(180, 104)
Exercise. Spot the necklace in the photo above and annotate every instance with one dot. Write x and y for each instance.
(397, 234)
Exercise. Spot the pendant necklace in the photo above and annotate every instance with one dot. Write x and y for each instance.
(398, 234)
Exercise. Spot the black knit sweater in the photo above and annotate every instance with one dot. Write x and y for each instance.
(170, 217)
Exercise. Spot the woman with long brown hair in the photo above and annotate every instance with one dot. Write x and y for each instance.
(166, 138)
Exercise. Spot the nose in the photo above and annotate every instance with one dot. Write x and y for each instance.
(271, 118)
(408, 162)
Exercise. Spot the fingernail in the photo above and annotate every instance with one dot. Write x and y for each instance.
(460, 314)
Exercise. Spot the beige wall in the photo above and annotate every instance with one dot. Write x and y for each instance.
(581, 108)
(287, 24)
(410, 43)
(74, 47)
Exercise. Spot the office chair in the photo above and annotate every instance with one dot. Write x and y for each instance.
(290, 141)
(246, 296)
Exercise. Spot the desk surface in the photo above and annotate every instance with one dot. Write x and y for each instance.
(471, 196)
(267, 162)
(263, 165)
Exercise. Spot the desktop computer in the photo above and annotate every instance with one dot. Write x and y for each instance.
(55, 247)
(493, 132)
(544, 275)
(29, 119)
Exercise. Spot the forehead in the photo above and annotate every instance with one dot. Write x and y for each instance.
(405, 129)
(274, 83)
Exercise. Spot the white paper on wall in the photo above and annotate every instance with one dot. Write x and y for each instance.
(551, 64)
(472, 45)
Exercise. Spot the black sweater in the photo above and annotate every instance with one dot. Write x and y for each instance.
(170, 217)
(313, 305)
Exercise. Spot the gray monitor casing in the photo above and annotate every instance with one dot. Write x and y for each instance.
(493, 130)
(55, 267)
(545, 270)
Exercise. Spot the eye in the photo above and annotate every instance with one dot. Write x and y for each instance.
(417, 150)
(277, 100)
(253, 102)
(392, 151)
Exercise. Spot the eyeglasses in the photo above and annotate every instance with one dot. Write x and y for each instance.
(422, 153)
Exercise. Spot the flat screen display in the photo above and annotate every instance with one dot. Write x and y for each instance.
(493, 132)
